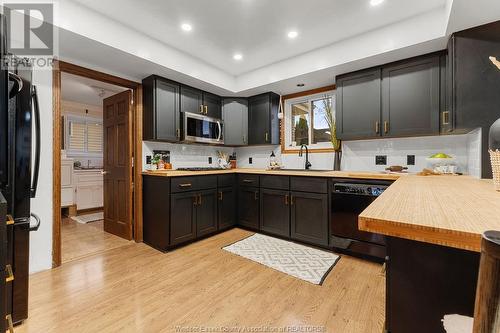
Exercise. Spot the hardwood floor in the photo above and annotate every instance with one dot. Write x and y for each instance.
(135, 288)
(80, 240)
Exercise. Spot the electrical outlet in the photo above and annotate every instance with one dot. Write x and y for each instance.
(410, 159)
(250, 160)
(210, 160)
(381, 160)
(148, 159)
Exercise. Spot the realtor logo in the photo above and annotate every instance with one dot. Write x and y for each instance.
(30, 29)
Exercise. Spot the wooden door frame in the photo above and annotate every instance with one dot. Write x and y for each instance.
(65, 67)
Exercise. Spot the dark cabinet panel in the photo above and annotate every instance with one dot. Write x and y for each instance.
(275, 182)
(248, 207)
(263, 122)
(248, 180)
(156, 211)
(182, 217)
(161, 117)
(275, 212)
(226, 180)
(191, 100)
(226, 207)
(309, 217)
(213, 105)
(235, 116)
(309, 184)
(206, 213)
(358, 108)
(410, 97)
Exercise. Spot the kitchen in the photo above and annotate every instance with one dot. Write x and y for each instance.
(348, 193)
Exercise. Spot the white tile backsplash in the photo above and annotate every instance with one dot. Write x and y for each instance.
(357, 155)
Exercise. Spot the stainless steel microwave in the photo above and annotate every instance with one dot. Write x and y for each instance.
(202, 129)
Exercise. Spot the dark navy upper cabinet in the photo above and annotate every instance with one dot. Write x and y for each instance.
(161, 109)
(263, 122)
(197, 101)
(410, 97)
(235, 116)
(358, 105)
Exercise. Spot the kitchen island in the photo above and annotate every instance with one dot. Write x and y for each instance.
(434, 226)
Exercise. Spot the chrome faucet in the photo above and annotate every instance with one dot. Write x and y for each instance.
(308, 164)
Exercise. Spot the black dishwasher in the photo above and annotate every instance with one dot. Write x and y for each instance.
(349, 198)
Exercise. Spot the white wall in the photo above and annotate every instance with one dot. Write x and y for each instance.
(41, 240)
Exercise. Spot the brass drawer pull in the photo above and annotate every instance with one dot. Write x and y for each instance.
(386, 127)
(377, 127)
(291, 200)
(286, 199)
(247, 181)
(256, 195)
(201, 108)
(267, 136)
(220, 196)
(446, 117)
(10, 324)
(10, 274)
(206, 109)
(185, 185)
(10, 220)
(195, 200)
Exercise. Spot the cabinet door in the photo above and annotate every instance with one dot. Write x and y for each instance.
(191, 100)
(227, 207)
(259, 120)
(213, 104)
(248, 207)
(275, 212)
(410, 97)
(235, 116)
(3, 261)
(98, 196)
(309, 217)
(182, 217)
(84, 197)
(206, 213)
(167, 111)
(445, 101)
(358, 105)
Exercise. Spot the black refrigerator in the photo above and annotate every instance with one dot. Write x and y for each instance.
(19, 165)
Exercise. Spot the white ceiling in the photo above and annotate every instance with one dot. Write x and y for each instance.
(86, 91)
(256, 28)
(134, 39)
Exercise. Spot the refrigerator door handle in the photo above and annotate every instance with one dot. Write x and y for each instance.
(36, 166)
(18, 84)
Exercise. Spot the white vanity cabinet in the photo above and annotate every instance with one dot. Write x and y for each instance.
(89, 189)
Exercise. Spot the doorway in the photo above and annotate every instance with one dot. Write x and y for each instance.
(97, 122)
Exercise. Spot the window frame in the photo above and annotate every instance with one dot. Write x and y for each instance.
(86, 120)
(309, 97)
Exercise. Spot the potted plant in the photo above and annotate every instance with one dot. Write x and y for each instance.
(332, 124)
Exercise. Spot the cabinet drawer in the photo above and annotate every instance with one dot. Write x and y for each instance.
(275, 182)
(225, 180)
(248, 180)
(89, 178)
(183, 184)
(309, 184)
(206, 182)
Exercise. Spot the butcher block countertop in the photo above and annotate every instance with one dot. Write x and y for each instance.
(311, 173)
(452, 211)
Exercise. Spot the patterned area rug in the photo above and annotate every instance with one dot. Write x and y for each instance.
(303, 262)
(87, 218)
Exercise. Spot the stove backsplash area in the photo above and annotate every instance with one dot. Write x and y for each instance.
(357, 155)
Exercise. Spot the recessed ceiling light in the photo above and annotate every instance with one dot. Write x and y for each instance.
(300, 84)
(292, 34)
(376, 2)
(186, 27)
(237, 56)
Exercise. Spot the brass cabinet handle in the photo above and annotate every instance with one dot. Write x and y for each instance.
(185, 185)
(446, 118)
(206, 109)
(247, 181)
(10, 274)
(256, 195)
(178, 133)
(386, 127)
(201, 108)
(377, 127)
(244, 139)
(267, 136)
(10, 220)
(195, 200)
(10, 324)
(220, 196)
(286, 199)
(291, 200)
